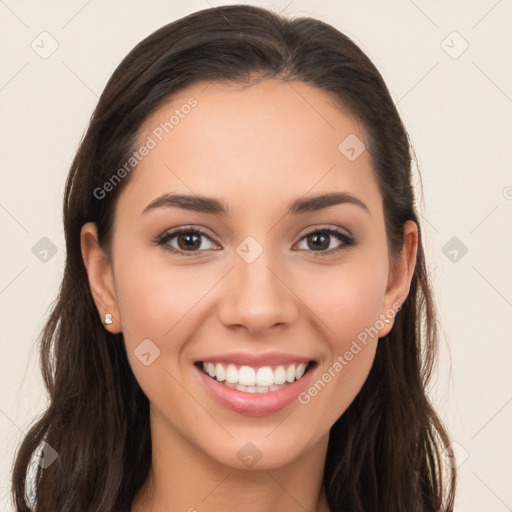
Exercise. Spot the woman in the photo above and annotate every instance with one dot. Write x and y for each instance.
(245, 320)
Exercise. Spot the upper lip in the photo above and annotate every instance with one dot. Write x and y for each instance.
(255, 360)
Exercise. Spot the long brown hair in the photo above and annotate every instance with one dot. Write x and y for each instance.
(385, 451)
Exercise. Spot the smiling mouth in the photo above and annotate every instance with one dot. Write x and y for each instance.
(250, 379)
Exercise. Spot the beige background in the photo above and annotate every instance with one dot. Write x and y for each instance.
(457, 109)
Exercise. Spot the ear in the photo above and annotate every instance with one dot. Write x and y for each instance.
(400, 277)
(101, 279)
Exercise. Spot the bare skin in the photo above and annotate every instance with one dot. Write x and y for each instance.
(256, 149)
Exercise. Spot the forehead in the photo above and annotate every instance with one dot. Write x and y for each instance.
(270, 140)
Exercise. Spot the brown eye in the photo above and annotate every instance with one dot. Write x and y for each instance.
(189, 241)
(318, 241)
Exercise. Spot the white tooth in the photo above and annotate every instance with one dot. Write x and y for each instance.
(250, 380)
(290, 373)
(232, 374)
(265, 376)
(220, 372)
(247, 376)
(210, 368)
(299, 372)
(280, 375)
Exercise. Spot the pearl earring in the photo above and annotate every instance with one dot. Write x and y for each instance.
(108, 319)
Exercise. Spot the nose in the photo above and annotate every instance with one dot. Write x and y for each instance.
(258, 296)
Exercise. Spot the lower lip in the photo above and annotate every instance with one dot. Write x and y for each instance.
(255, 404)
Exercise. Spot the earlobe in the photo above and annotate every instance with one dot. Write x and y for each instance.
(101, 282)
(400, 277)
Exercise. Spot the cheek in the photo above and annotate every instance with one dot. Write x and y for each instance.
(152, 297)
(156, 303)
(338, 382)
(347, 299)
(161, 303)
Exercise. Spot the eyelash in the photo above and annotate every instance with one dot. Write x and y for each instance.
(347, 240)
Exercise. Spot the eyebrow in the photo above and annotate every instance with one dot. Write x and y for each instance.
(203, 204)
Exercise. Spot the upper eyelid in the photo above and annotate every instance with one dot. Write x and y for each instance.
(338, 229)
(171, 233)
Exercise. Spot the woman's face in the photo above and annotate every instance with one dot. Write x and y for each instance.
(265, 290)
